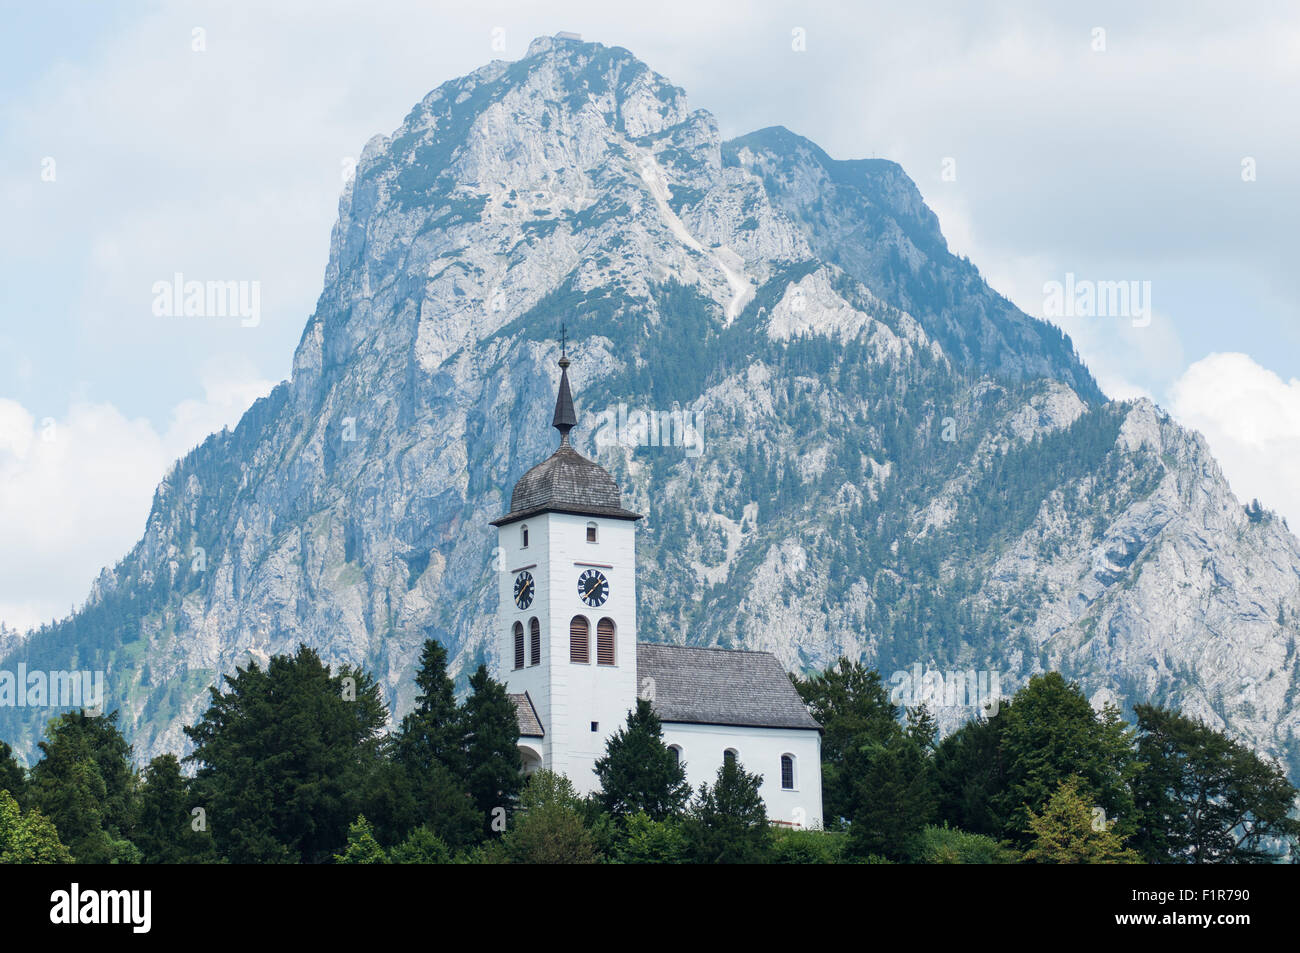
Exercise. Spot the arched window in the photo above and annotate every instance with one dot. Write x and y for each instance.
(579, 640)
(523, 536)
(730, 756)
(677, 753)
(519, 645)
(787, 772)
(605, 642)
(535, 637)
(591, 532)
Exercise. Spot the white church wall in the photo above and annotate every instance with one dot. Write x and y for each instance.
(759, 751)
(569, 696)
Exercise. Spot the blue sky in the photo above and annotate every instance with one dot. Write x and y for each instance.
(1118, 163)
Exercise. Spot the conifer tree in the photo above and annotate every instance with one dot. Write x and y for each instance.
(362, 848)
(282, 758)
(727, 823)
(13, 777)
(85, 785)
(493, 765)
(1071, 830)
(165, 829)
(638, 772)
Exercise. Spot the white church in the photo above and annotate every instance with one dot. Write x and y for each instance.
(574, 668)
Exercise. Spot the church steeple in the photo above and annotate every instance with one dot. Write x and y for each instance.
(565, 417)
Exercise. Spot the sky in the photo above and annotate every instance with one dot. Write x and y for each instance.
(138, 141)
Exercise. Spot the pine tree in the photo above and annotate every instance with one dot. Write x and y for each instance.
(492, 762)
(362, 848)
(165, 830)
(85, 785)
(283, 756)
(727, 823)
(13, 778)
(638, 772)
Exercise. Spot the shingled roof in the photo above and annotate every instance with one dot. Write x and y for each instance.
(566, 481)
(721, 687)
(530, 726)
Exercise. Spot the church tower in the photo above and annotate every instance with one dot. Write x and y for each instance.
(568, 606)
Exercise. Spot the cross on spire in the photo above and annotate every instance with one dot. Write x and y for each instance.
(565, 418)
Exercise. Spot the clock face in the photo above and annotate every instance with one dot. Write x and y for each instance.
(524, 589)
(593, 588)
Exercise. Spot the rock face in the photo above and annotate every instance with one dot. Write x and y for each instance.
(843, 440)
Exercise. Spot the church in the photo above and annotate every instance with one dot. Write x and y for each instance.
(574, 668)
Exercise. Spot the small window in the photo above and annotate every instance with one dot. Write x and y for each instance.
(523, 537)
(605, 642)
(591, 532)
(677, 753)
(787, 772)
(595, 726)
(729, 757)
(579, 639)
(535, 637)
(519, 645)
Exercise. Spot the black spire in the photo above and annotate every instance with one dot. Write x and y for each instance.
(565, 418)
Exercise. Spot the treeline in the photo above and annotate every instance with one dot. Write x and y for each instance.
(291, 764)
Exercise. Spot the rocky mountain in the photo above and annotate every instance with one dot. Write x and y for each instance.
(886, 458)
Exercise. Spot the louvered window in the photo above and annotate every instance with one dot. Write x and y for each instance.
(605, 642)
(579, 640)
(787, 772)
(535, 637)
(519, 645)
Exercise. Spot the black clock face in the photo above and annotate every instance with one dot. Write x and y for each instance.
(593, 587)
(524, 590)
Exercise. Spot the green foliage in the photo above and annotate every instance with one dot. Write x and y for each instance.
(807, 847)
(852, 705)
(893, 795)
(362, 848)
(1203, 798)
(948, 845)
(28, 838)
(638, 773)
(422, 846)
(1049, 733)
(165, 831)
(13, 777)
(493, 765)
(282, 757)
(550, 827)
(644, 840)
(1069, 831)
(84, 784)
(727, 823)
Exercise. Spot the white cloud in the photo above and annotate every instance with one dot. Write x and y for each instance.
(75, 492)
(1251, 418)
